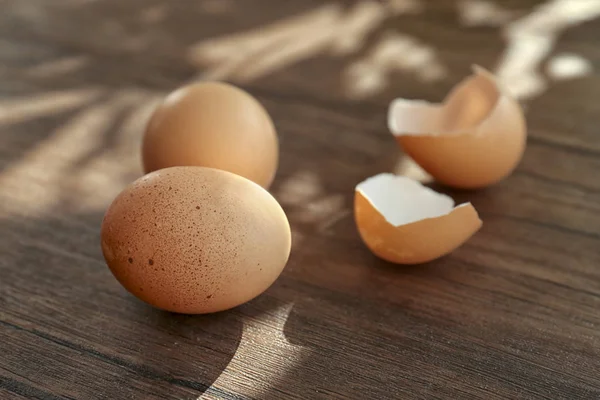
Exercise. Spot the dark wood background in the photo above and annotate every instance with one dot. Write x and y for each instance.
(514, 313)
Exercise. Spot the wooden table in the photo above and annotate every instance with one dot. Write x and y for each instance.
(514, 313)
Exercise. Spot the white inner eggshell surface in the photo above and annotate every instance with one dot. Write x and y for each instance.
(402, 200)
(466, 106)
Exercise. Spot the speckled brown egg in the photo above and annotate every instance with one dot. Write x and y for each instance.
(216, 125)
(195, 240)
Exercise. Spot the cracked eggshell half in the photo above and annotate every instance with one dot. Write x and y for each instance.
(404, 222)
(475, 138)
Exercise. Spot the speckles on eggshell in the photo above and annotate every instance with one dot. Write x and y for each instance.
(201, 253)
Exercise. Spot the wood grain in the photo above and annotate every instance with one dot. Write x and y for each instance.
(512, 314)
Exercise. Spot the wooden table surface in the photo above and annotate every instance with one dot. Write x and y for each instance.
(514, 313)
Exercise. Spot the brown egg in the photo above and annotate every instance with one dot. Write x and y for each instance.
(195, 240)
(212, 124)
(404, 222)
(474, 139)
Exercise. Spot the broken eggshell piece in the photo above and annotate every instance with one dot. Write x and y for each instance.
(475, 138)
(404, 222)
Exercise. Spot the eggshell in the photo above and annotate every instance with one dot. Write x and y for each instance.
(404, 222)
(195, 240)
(474, 139)
(212, 124)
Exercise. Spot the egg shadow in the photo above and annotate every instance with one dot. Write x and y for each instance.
(355, 319)
(192, 350)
